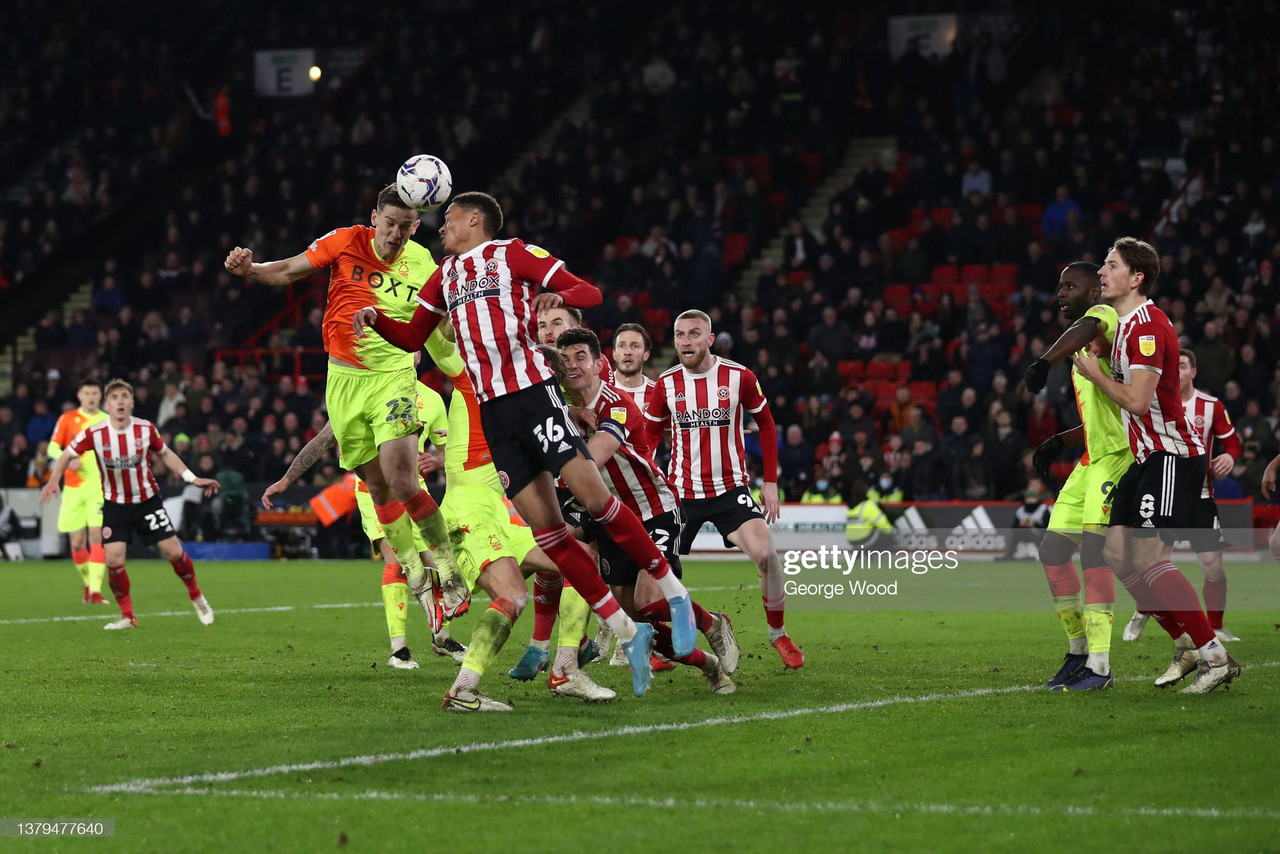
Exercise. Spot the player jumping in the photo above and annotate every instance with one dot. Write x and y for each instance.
(370, 390)
(490, 288)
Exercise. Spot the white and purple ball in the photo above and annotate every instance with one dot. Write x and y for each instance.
(424, 182)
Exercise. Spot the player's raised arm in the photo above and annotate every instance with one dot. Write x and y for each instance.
(240, 263)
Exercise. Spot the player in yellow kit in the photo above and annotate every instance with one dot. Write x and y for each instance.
(370, 390)
(80, 514)
(1080, 514)
(484, 537)
(432, 416)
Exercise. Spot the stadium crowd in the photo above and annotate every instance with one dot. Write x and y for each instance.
(890, 342)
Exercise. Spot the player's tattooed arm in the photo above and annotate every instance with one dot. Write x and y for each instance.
(306, 458)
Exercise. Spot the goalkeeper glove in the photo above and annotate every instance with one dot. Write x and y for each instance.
(1046, 454)
(1037, 376)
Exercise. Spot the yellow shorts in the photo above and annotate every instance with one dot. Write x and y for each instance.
(1082, 503)
(373, 528)
(481, 529)
(367, 408)
(81, 508)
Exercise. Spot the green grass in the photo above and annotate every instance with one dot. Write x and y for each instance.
(860, 763)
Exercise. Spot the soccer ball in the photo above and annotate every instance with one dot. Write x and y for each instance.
(424, 182)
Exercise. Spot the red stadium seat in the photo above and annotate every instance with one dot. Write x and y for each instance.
(812, 168)
(897, 293)
(898, 237)
(923, 390)
(1004, 273)
(880, 370)
(851, 369)
(945, 273)
(974, 273)
(736, 245)
(941, 217)
(641, 299)
(1061, 471)
(796, 277)
(626, 245)
(778, 202)
(903, 371)
(758, 166)
(658, 322)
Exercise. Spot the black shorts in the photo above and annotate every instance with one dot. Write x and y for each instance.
(616, 566)
(1159, 495)
(727, 512)
(1206, 528)
(530, 431)
(149, 520)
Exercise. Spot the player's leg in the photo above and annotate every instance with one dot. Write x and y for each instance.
(626, 529)
(1207, 540)
(502, 580)
(171, 548)
(118, 578)
(398, 459)
(536, 503)
(1215, 592)
(1169, 491)
(398, 530)
(754, 538)
(72, 522)
(97, 559)
(645, 598)
(1274, 542)
(395, 600)
(1056, 552)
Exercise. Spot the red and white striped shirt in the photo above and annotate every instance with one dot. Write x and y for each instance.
(1145, 341)
(488, 294)
(1209, 419)
(124, 459)
(638, 394)
(631, 473)
(706, 414)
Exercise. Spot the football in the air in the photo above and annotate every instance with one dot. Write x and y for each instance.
(424, 182)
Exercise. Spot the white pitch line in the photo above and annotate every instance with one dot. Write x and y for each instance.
(104, 615)
(187, 613)
(149, 785)
(142, 785)
(740, 804)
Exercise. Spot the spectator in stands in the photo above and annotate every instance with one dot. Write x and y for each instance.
(795, 464)
(918, 427)
(820, 378)
(832, 338)
(50, 334)
(976, 179)
(929, 474)
(1004, 447)
(1042, 423)
(14, 466)
(41, 423)
(1216, 356)
(800, 249)
(955, 443)
(971, 476)
(986, 356)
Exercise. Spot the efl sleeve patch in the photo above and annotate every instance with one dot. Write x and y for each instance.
(1147, 345)
(619, 414)
(536, 251)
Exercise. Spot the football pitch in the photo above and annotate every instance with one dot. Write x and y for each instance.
(280, 728)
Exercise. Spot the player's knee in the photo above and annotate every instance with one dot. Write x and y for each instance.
(1055, 550)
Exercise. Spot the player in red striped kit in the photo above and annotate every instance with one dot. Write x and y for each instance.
(493, 290)
(132, 503)
(631, 348)
(705, 400)
(620, 447)
(1158, 496)
(1209, 418)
